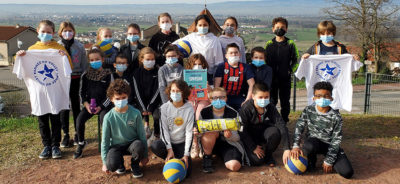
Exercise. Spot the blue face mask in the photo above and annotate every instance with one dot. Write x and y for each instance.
(257, 62)
(121, 67)
(176, 97)
(171, 60)
(121, 103)
(262, 102)
(44, 37)
(133, 38)
(326, 38)
(202, 30)
(218, 104)
(96, 64)
(108, 40)
(323, 102)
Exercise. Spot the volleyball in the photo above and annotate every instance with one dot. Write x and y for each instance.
(297, 166)
(185, 48)
(174, 171)
(106, 47)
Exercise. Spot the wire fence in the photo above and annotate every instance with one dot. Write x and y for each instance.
(372, 94)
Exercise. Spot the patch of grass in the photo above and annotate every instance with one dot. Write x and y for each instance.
(21, 143)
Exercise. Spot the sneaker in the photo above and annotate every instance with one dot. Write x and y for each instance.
(56, 152)
(76, 140)
(79, 150)
(270, 161)
(207, 164)
(121, 170)
(136, 172)
(46, 153)
(65, 142)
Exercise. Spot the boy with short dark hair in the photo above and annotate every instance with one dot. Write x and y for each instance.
(235, 77)
(282, 56)
(324, 133)
(263, 128)
(262, 72)
(123, 133)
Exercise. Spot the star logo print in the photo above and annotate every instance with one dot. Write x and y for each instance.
(47, 72)
(328, 70)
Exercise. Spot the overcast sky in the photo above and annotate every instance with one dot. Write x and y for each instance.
(101, 2)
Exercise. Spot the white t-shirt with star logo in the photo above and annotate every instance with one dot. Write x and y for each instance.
(47, 76)
(335, 69)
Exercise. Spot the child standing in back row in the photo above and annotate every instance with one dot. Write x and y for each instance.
(326, 31)
(104, 41)
(230, 27)
(79, 60)
(163, 38)
(50, 137)
(282, 56)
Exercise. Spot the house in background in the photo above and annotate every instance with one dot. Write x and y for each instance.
(14, 38)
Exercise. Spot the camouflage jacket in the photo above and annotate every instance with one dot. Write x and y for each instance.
(325, 127)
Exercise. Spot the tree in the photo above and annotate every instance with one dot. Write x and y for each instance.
(370, 21)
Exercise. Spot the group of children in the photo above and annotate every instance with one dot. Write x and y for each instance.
(135, 82)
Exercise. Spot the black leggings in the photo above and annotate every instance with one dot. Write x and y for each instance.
(115, 155)
(226, 151)
(156, 119)
(342, 165)
(84, 115)
(272, 137)
(159, 149)
(75, 106)
(50, 137)
(281, 88)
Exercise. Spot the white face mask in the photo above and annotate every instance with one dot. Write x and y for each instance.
(197, 67)
(67, 35)
(233, 60)
(149, 63)
(166, 26)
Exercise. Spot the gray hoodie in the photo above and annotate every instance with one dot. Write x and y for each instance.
(177, 125)
(166, 74)
(78, 57)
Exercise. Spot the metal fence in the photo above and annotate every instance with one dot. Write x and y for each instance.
(14, 97)
(372, 94)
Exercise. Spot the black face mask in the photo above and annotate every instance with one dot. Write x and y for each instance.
(279, 32)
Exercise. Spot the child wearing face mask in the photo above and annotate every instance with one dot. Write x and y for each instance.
(132, 48)
(164, 37)
(121, 69)
(262, 72)
(326, 31)
(324, 134)
(205, 43)
(93, 89)
(197, 62)
(145, 94)
(235, 77)
(263, 128)
(50, 139)
(230, 27)
(172, 70)
(282, 57)
(104, 41)
(79, 61)
(177, 118)
(123, 133)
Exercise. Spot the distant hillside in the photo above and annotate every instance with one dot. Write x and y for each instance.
(264, 7)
